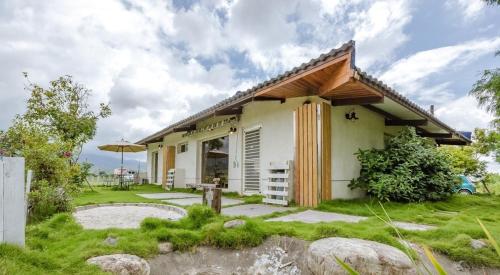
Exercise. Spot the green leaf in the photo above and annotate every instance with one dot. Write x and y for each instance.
(346, 267)
(490, 237)
(440, 270)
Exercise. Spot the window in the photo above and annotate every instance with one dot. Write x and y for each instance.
(182, 147)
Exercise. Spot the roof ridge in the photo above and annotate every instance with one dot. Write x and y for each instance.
(252, 90)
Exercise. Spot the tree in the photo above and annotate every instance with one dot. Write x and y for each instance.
(409, 169)
(465, 160)
(63, 110)
(492, 2)
(487, 92)
(486, 142)
(50, 135)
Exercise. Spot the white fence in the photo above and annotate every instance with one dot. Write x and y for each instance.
(12, 201)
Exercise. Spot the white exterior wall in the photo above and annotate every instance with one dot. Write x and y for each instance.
(154, 147)
(277, 143)
(347, 137)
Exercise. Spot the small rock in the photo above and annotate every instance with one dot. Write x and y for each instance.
(461, 266)
(366, 257)
(165, 248)
(113, 241)
(234, 223)
(477, 244)
(121, 264)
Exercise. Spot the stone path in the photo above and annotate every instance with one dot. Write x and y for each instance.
(313, 216)
(172, 195)
(254, 210)
(191, 201)
(413, 226)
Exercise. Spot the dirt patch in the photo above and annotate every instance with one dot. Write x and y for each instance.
(277, 255)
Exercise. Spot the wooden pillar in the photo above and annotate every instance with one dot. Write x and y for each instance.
(326, 152)
(312, 154)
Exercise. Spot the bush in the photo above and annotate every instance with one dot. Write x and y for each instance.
(409, 169)
(251, 234)
(198, 215)
(46, 200)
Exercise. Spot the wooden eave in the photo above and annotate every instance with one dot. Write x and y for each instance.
(334, 80)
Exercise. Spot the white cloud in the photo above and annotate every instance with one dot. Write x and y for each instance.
(379, 30)
(464, 114)
(470, 9)
(409, 75)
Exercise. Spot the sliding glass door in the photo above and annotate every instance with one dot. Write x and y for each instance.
(215, 161)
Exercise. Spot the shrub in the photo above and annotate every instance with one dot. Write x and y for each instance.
(409, 169)
(198, 215)
(46, 200)
(251, 234)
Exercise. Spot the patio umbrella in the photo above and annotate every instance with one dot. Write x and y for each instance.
(122, 146)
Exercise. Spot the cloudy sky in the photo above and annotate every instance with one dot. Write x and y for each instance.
(157, 61)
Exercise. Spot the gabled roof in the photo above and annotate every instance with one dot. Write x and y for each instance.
(325, 62)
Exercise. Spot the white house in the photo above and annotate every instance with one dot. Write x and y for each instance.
(316, 116)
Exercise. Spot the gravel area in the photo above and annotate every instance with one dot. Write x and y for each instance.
(123, 215)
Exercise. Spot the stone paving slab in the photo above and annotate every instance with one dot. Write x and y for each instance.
(191, 201)
(171, 195)
(313, 216)
(413, 226)
(253, 210)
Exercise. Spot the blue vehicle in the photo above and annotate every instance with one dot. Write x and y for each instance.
(466, 187)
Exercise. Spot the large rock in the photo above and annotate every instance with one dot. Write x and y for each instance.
(121, 264)
(366, 257)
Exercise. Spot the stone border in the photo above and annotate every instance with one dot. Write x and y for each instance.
(178, 210)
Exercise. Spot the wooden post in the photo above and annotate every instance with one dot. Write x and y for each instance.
(212, 197)
(312, 170)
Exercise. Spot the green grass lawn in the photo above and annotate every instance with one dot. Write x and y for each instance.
(60, 246)
(103, 194)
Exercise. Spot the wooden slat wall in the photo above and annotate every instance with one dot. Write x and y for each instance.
(168, 162)
(312, 175)
(326, 152)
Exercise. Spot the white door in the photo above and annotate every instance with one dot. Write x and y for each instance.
(251, 161)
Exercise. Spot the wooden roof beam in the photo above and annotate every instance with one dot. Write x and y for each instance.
(357, 101)
(229, 111)
(405, 122)
(435, 135)
(344, 57)
(342, 74)
(450, 142)
(264, 98)
(186, 128)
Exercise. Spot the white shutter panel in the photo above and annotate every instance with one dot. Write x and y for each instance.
(251, 163)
